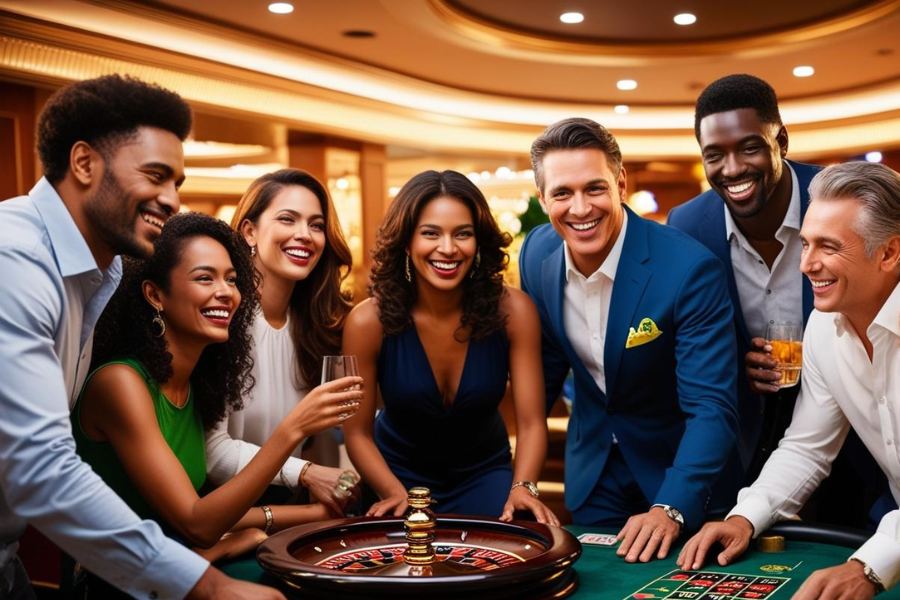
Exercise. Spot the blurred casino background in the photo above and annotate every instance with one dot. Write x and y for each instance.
(366, 93)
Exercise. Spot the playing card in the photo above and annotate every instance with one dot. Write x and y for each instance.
(598, 539)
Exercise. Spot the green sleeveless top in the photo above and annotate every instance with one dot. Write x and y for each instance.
(181, 428)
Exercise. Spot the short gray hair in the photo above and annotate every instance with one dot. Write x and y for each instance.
(875, 186)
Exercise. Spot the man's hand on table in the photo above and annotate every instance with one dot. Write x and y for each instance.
(215, 585)
(733, 533)
(646, 535)
(846, 581)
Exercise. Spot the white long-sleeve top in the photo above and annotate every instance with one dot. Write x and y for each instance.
(279, 387)
(840, 387)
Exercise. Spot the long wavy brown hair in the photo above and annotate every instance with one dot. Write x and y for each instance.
(395, 296)
(318, 307)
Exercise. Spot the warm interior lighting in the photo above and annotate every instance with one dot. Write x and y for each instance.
(626, 84)
(621, 109)
(685, 19)
(281, 8)
(803, 71)
(571, 17)
(874, 156)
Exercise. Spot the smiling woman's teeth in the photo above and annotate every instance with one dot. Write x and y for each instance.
(446, 266)
(820, 284)
(584, 226)
(221, 314)
(298, 253)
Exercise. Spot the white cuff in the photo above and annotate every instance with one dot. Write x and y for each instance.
(754, 510)
(291, 472)
(171, 575)
(882, 554)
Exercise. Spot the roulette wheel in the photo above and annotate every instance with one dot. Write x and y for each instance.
(422, 556)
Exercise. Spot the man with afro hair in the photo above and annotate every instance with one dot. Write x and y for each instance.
(113, 162)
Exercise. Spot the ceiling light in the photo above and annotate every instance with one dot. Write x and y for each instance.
(685, 19)
(281, 8)
(572, 17)
(874, 156)
(626, 84)
(803, 71)
(621, 109)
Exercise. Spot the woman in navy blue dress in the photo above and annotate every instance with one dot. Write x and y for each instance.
(442, 335)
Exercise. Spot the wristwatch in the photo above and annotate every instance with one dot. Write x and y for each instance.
(870, 574)
(673, 513)
(528, 485)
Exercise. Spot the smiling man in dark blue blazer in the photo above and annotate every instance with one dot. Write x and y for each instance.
(641, 314)
(751, 220)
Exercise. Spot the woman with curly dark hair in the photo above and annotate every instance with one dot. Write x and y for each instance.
(442, 335)
(289, 223)
(173, 349)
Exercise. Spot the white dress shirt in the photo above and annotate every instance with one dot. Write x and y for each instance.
(840, 387)
(586, 307)
(50, 299)
(279, 387)
(769, 296)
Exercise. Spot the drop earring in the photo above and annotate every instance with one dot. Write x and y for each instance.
(476, 265)
(158, 321)
(252, 251)
(408, 273)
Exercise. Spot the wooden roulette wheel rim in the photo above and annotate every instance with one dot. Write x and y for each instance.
(544, 570)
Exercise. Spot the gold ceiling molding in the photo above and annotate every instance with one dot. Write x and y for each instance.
(509, 41)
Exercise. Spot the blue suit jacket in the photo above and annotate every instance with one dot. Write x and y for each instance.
(670, 402)
(703, 218)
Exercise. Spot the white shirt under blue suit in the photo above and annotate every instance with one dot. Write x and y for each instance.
(51, 295)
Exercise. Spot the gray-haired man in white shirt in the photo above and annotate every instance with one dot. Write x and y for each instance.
(851, 377)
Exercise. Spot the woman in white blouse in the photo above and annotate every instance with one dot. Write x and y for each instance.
(291, 226)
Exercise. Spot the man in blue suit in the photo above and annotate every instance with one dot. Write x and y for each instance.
(641, 314)
(751, 220)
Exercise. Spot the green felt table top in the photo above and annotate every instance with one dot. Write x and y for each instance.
(604, 576)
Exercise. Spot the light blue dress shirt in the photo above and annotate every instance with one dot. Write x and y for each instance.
(51, 295)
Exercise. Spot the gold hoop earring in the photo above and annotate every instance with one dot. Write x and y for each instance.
(476, 265)
(158, 321)
(408, 273)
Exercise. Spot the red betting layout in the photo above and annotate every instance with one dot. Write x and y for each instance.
(697, 585)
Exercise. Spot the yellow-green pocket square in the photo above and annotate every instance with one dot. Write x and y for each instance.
(647, 331)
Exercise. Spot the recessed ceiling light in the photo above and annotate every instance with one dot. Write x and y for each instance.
(803, 71)
(571, 17)
(621, 109)
(685, 19)
(281, 8)
(874, 156)
(626, 84)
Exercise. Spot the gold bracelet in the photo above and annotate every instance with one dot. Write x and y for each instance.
(303, 474)
(270, 519)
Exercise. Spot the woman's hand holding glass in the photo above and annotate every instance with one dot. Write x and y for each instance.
(327, 405)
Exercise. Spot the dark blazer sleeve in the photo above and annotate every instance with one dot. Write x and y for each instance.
(706, 355)
(556, 365)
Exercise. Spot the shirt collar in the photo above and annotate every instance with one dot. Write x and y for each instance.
(791, 219)
(71, 250)
(611, 264)
(886, 317)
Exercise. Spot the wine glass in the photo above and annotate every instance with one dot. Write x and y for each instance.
(335, 367)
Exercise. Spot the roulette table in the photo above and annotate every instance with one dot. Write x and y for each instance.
(598, 574)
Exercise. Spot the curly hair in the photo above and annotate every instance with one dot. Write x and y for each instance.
(105, 112)
(395, 296)
(318, 307)
(574, 134)
(222, 376)
(734, 92)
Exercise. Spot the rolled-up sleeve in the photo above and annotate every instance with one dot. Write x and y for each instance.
(42, 480)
